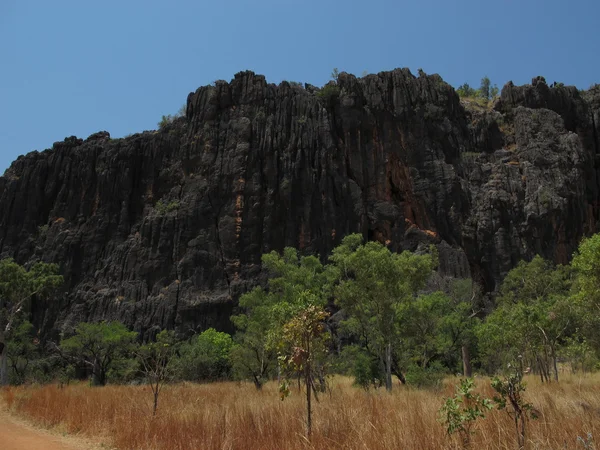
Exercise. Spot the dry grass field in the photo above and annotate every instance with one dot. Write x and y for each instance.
(236, 416)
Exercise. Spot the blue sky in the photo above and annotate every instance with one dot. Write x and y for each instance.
(77, 67)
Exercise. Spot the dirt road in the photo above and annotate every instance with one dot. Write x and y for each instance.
(16, 435)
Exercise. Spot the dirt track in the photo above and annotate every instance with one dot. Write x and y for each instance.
(16, 435)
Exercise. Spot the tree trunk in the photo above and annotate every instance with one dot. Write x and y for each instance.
(466, 359)
(388, 367)
(156, 392)
(3, 358)
(258, 384)
(308, 402)
(3, 363)
(98, 374)
(555, 364)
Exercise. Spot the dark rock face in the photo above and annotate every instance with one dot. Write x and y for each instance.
(166, 228)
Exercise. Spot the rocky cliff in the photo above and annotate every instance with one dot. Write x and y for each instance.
(166, 228)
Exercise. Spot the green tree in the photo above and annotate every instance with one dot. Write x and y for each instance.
(206, 357)
(533, 319)
(459, 413)
(586, 293)
(484, 87)
(494, 91)
(265, 312)
(22, 351)
(510, 398)
(465, 90)
(374, 287)
(99, 346)
(156, 359)
(17, 287)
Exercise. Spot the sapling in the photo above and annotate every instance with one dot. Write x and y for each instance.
(510, 398)
(459, 413)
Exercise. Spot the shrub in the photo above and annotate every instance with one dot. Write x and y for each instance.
(364, 367)
(510, 397)
(459, 413)
(163, 208)
(205, 357)
(329, 93)
(165, 121)
(425, 377)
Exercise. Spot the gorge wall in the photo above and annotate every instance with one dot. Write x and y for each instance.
(166, 228)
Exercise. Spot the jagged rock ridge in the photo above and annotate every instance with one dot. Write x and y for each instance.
(166, 228)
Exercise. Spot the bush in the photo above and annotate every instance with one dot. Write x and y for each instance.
(165, 121)
(364, 367)
(425, 377)
(163, 208)
(329, 93)
(205, 357)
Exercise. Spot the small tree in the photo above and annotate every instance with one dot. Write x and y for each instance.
(303, 344)
(17, 287)
(335, 73)
(156, 359)
(205, 357)
(510, 398)
(459, 413)
(484, 87)
(494, 91)
(465, 90)
(265, 312)
(374, 287)
(21, 351)
(99, 346)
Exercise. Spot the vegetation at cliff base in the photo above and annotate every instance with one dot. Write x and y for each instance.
(365, 314)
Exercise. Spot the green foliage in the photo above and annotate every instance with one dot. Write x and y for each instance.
(335, 74)
(167, 120)
(509, 390)
(425, 377)
(302, 348)
(157, 362)
(17, 287)
(102, 347)
(329, 93)
(294, 284)
(460, 413)
(22, 351)
(482, 95)
(465, 90)
(206, 357)
(365, 367)
(163, 208)
(533, 319)
(374, 288)
(586, 297)
(484, 88)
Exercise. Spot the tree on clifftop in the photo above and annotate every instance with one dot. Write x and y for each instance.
(17, 287)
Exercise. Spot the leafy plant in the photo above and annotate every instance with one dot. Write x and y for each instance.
(329, 93)
(460, 413)
(100, 346)
(156, 359)
(163, 208)
(303, 345)
(510, 398)
(206, 357)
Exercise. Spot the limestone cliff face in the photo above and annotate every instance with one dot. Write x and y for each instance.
(166, 228)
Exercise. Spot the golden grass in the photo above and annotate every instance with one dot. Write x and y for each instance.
(236, 416)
